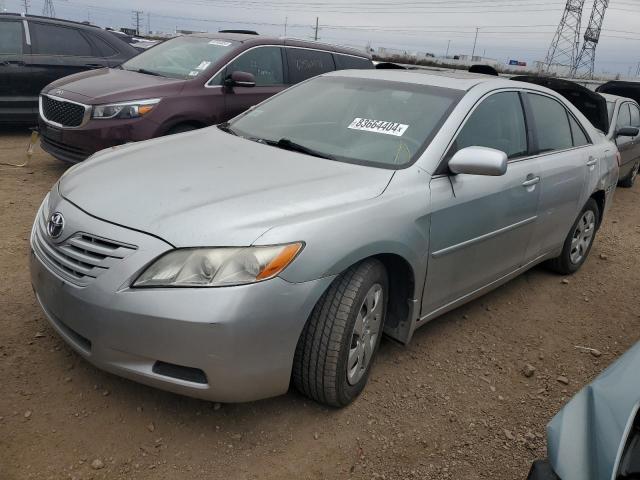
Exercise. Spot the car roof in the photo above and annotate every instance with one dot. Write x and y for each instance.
(289, 41)
(48, 20)
(456, 80)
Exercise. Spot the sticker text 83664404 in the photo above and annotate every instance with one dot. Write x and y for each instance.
(378, 126)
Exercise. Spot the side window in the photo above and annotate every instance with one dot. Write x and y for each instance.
(344, 62)
(579, 137)
(10, 38)
(551, 123)
(635, 115)
(498, 122)
(624, 116)
(304, 64)
(265, 63)
(56, 40)
(104, 49)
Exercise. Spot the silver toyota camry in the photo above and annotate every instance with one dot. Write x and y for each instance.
(229, 262)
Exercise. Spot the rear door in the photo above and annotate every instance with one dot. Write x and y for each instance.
(265, 63)
(567, 163)
(304, 63)
(635, 122)
(58, 51)
(18, 101)
(481, 225)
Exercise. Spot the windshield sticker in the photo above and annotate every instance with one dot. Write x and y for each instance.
(378, 126)
(220, 43)
(203, 65)
(194, 73)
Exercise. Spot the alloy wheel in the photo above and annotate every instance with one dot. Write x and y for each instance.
(582, 236)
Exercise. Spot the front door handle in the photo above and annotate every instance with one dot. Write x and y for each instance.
(531, 182)
(592, 161)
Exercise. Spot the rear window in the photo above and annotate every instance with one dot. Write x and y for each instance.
(57, 40)
(356, 120)
(344, 62)
(551, 123)
(10, 38)
(304, 64)
(181, 57)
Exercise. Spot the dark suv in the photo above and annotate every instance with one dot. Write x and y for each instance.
(182, 84)
(35, 51)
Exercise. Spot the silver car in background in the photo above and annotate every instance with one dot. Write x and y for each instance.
(225, 263)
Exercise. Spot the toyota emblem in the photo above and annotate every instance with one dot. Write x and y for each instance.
(55, 225)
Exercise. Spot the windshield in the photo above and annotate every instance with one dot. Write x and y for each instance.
(372, 122)
(181, 57)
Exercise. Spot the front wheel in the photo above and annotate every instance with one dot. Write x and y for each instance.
(338, 344)
(578, 243)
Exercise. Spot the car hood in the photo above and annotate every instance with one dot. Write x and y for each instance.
(210, 188)
(113, 85)
(585, 438)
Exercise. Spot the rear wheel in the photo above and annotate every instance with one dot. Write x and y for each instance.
(630, 179)
(338, 344)
(578, 243)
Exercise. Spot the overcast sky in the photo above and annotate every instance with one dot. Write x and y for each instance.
(508, 29)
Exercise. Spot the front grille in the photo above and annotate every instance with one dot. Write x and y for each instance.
(64, 113)
(80, 258)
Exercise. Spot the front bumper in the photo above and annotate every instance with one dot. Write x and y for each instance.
(74, 145)
(229, 344)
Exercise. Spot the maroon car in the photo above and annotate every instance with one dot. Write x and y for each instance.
(182, 84)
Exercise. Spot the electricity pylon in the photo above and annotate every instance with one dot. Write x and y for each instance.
(48, 9)
(566, 42)
(586, 61)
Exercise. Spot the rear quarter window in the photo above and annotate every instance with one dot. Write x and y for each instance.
(345, 62)
(304, 64)
(104, 49)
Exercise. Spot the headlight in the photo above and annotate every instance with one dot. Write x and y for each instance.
(217, 267)
(133, 109)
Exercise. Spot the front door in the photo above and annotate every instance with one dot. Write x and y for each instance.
(265, 64)
(16, 101)
(481, 226)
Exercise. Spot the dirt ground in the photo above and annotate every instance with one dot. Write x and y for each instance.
(454, 404)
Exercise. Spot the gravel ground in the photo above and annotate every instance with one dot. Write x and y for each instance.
(469, 398)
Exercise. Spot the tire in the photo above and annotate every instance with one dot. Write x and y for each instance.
(184, 127)
(330, 339)
(573, 256)
(630, 179)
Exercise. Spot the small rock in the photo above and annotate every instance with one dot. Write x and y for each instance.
(509, 435)
(151, 427)
(316, 436)
(106, 393)
(236, 436)
(528, 370)
(565, 281)
(562, 379)
(39, 335)
(217, 406)
(27, 414)
(139, 409)
(596, 353)
(97, 464)
(67, 379)
(603, 256)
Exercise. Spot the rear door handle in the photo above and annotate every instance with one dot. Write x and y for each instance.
(531, 182)
(592, 161)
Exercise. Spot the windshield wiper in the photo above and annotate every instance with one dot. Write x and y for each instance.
(225, 127)
(148, 72)
(287, 144)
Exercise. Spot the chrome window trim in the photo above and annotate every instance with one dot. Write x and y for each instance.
(85, 119)
(206, 84)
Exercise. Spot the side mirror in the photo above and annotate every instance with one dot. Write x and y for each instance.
(240, 79)
(627, 132)
(479, 161)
